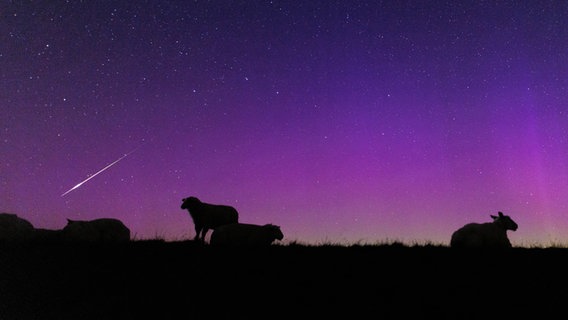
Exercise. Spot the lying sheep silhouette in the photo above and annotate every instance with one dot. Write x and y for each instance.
(14, 228)
(485, 235)
(208, 216)
(98, 230)
(244, 234)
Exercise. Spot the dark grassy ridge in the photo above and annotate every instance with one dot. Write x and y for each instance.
(172, 280)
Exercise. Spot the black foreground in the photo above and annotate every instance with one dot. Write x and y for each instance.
(185, 280)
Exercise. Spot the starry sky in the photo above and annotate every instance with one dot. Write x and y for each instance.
(341, 121)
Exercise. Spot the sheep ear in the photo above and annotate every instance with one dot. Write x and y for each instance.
(494, 217)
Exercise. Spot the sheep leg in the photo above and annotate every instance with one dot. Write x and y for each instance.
(203, 234)
(198, 229)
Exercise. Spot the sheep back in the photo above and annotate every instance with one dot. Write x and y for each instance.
(213, 216)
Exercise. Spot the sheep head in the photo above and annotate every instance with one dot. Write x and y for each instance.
(276, 231)
(505, 221)
(191, 202)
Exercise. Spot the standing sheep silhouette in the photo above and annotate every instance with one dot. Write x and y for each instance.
(208, 216)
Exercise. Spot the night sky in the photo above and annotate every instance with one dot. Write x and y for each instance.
(340, 121)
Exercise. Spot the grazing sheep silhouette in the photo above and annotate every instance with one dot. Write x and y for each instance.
(208, 216)
(98, 230)
(244, 234)
(485, 235)
(14, 228)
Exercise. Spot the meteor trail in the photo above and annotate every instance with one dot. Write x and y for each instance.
(103, 169)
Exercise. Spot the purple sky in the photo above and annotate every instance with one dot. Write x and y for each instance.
(340, 122)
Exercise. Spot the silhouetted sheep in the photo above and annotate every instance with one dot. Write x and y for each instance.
(14, 228)
(243, 234)
(485, 235)
(208, 216)
(98, 230)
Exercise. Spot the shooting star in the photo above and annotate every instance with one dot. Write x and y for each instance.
(103, 169)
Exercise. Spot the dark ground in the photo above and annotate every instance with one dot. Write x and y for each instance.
(183, 280)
